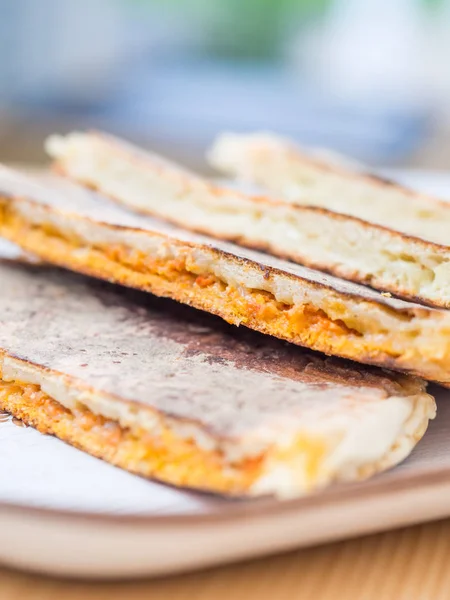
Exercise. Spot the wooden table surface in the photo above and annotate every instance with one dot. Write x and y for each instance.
(407, 564)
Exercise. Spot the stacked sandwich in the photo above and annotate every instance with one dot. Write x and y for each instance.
(321, 260)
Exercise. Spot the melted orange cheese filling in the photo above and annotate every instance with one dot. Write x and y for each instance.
(175, 278)
(164, 456)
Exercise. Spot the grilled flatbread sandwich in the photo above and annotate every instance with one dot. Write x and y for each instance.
(74, 228)
(352, 226)
(170, 393)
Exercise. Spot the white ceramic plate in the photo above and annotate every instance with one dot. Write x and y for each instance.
(63, 512)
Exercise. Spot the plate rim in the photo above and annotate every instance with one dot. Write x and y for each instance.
(240, 509)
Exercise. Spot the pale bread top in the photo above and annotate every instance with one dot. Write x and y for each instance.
(330, 181)
(316, 216)
(59, 193)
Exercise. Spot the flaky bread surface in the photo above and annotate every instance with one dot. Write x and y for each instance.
(308, 231)
(401, 243)
(280, 166)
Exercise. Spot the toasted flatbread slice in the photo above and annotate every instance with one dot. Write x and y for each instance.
(72, 227)
(174, 395)
(407, 254)
(346, 246)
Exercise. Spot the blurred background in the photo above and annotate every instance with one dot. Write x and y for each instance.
(369, 78)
